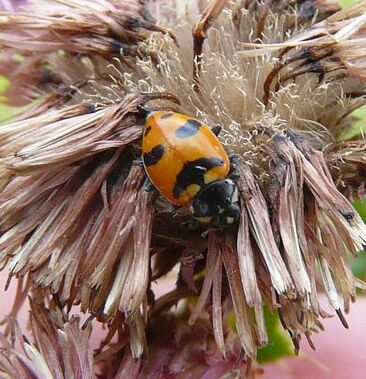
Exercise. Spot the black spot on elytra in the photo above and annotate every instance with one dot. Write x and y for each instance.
(147, 131)
(154, 155)
(190, 175)
(189, 129)
(166, 115)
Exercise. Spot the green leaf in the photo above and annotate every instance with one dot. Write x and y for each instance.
(360, 206)
(346, 3)
(359, 127)
(6, 111)
(4, 84)
(358, 263)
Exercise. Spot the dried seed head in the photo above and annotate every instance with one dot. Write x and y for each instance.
(281, 78)
(61, 349)
(101, 28)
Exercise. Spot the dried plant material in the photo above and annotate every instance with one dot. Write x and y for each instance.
(349, 160)
(92, 27)
(138, 278)
(129, 367)
(288, 211)
(87, 132)
(61, 349)
(217, 307)
(331, 46)
(213, 257)
(207, 18)
(176, 347)
(247, 262)
(244, 323)
(137, 335)
(262, 232)
(25, 75)
(281, 79)
(350, 152)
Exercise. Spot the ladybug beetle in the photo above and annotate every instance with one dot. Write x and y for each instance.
(185, 161)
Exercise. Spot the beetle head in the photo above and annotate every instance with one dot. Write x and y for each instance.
(217, 203)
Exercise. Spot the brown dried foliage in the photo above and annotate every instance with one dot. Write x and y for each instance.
(77, 224)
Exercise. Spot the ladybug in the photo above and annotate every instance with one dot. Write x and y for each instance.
(185, 161)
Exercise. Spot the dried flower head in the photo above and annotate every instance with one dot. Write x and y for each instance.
(282, 78)
(61, 348)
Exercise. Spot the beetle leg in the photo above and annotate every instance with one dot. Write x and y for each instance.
(216, 222)
(216, 130)
(145, 111)
(233, 166)
(234, 176)
(208, 16)
(138, 161)
(147, 185)
(174, 210)
(233, 160)
(205, 234)
(194, 224)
